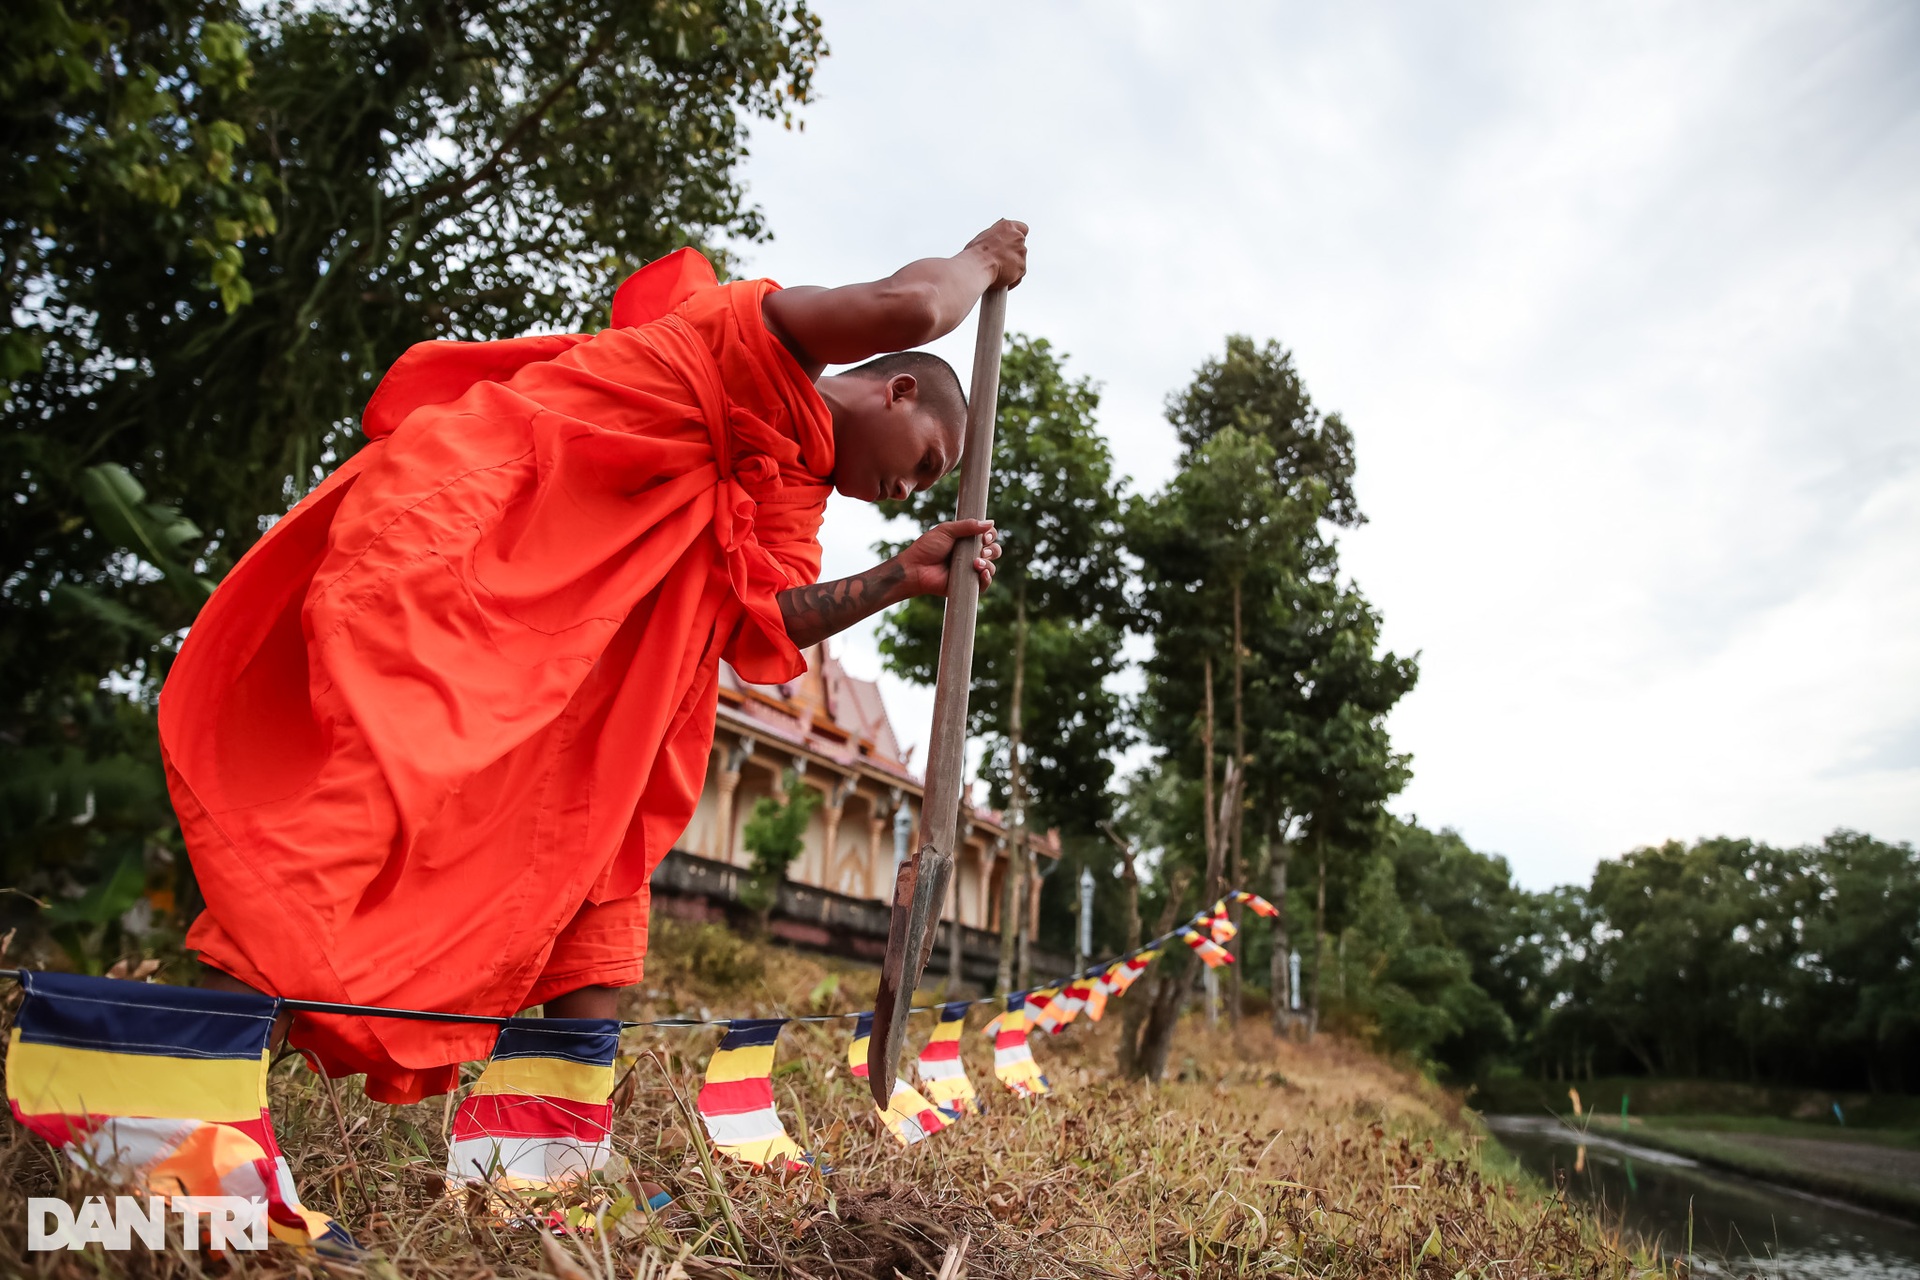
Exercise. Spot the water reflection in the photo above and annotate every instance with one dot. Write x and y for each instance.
(1738, 1227)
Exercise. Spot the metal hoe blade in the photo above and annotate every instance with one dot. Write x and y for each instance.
(920, 887)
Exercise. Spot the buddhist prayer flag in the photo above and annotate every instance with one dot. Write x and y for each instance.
(908, 1116)
(1255, 903)
(942, 1073)
(1012, 1056)
(1219, 925)
(1062, 1007)
(161, 1088)
(1128, 971)
(736, 1102)
(539, 1117)
(1211, 953)
(1097, 991)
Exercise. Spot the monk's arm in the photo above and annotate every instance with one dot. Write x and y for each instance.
(828, 608)
(921, 301)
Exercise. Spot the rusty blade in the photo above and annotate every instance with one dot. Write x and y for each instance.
(918, 891)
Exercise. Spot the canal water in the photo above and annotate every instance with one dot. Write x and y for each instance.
(1739, 1227)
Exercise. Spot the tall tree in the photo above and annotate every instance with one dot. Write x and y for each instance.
(1049, 634)
(222, 222)
(1255, 390)
(1223, 529)
(1325, 746)
(1251, 406)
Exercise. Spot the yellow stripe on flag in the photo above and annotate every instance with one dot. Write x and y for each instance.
(765, 1151)
(46, 1079)
(750, 1063)
(548, 1078)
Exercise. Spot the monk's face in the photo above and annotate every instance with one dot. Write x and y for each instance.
(885, 444)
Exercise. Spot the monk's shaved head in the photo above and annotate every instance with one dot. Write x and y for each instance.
(937, 386)
(899, 424)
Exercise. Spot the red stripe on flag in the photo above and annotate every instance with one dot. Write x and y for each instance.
(503, 1115)
(734, 1097)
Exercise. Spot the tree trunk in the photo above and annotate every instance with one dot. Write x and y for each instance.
(1235, 866)
(1319, 934)
(1029, 910)
(1013, 909)
(1148, 1024)
(1209, 832)
(1130, 885)
(1279, 980)
(1163, 1015)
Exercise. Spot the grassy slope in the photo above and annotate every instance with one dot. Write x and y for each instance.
(1265, 1157)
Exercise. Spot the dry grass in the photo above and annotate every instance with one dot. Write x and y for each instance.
(1265, 1158)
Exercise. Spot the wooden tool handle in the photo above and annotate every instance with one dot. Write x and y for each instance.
(920, 886)
(947, 746)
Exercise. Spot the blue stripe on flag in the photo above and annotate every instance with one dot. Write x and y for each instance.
(112, 1015)
(592, 1042)
(751, 1033)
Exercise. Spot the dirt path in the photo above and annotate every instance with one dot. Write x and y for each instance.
(1861, 1159)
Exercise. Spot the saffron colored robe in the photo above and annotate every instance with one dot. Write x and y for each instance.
(431, 736)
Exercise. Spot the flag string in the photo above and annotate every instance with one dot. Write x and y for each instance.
(539, 1117)
(295, 1005)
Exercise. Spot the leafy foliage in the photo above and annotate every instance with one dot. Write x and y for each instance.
(1256, 391)
(1724, 959)
(1056, 503)
(1262, 656)
(775, 834)
(1736, 959)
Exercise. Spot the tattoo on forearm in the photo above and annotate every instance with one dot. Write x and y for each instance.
(827, 608)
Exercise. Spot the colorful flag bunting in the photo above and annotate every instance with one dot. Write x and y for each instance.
(538, 1118)
(908, 1116)
(1062, 1007)
(1097, 991)
(1012, 1056)
(736, 1102)
(1219, 925)
(1211, 953)
(942, 1073)
(164, 1088)
(1255, 903)
(1128, 971)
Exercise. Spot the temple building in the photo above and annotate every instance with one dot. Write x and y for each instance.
(832, 729)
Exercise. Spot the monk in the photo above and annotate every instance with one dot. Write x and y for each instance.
(432, 735)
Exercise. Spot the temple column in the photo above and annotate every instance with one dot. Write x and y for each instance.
(836, 793)
(731, 762)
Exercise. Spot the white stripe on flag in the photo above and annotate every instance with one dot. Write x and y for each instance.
(745, 1126)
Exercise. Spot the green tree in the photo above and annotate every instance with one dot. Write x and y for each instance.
(1241, 591)
(775, 834)
(1049, 632)
(223, 222)
(1255, 390)
(1863, 968)
(1325, 753)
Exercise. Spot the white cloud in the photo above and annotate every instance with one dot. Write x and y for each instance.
(1622, 303)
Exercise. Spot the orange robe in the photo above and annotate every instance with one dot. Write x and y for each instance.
(432, 735)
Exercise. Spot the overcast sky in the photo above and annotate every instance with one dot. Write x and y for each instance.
(1621, 301)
